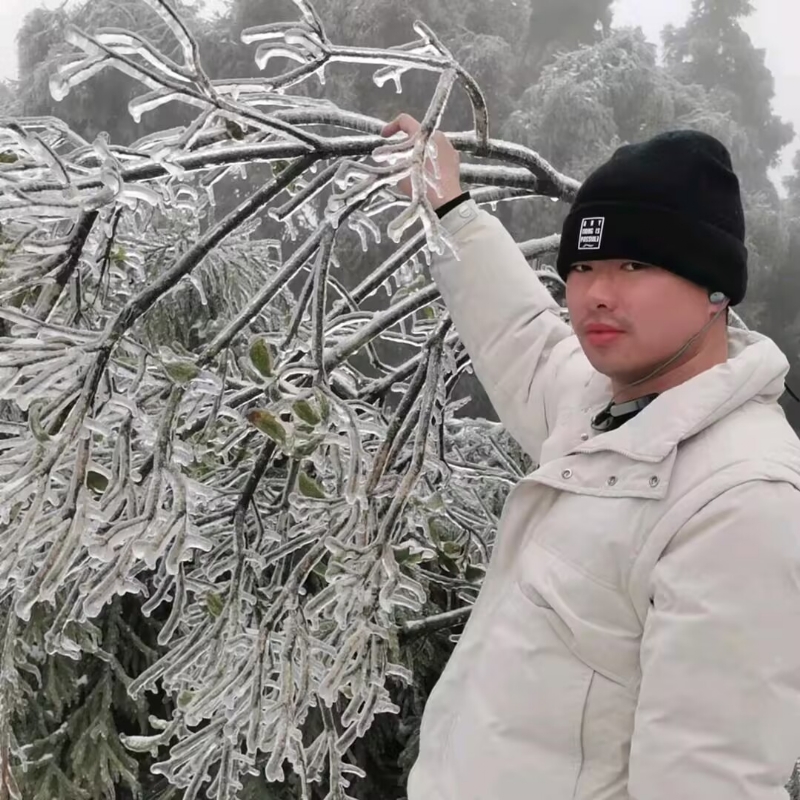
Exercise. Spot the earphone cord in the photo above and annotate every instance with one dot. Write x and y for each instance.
(677, 356)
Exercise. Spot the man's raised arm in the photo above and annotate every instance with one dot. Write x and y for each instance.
(508, 321)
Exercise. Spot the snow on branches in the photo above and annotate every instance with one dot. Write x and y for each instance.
(272, 488)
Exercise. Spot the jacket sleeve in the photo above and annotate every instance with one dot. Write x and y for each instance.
(718, 714)
(506, 318)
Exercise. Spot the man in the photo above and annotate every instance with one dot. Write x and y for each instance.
(637, 636)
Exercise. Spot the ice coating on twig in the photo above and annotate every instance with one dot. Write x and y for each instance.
(204, 421)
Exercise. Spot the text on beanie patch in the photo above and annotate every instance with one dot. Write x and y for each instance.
(591, 233)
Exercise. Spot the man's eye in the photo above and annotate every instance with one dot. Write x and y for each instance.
(581, 268)
(634, 266)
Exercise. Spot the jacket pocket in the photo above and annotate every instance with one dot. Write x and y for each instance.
(518, 725)
(596, 621)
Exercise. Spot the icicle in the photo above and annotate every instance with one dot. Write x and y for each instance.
(198, 285)
(393, 74)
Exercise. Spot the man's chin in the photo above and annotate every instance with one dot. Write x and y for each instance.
(604, 362)
(615, 368)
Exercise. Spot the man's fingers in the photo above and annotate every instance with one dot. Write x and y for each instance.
(390, 129)
(404, 122)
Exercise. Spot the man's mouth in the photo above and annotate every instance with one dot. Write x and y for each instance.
(602, 334)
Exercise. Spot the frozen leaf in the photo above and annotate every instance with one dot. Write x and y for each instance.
(309, 487)
(34, 419)
(214, 604)
(474, 573)
(185, 697)
(261, 356)
(305, 449)
(324, 406)
(305, 411)
(181, 371)
(268, 424)
(96, 481)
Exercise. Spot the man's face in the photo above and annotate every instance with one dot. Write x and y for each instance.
(630, 317)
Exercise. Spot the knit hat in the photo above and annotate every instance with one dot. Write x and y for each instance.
(673, 202)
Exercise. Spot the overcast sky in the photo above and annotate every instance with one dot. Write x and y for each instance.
(773, 27)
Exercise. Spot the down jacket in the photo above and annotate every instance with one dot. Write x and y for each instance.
(637, 636)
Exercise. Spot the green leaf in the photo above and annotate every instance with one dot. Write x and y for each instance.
(453, 549)
(261, 356)
(324, 405)
(321, 569)
(214, 604)
(309, 487)
(437, 530)
(305, 449)
(186, 697)
(474, 574)
(119, 256)
(8, 158)
(408, 558)
(435, 502)
(96, 481)
(268, 424)
(35, 422)
(182, 371)
(234, 129)
(448, 565)
(304, 410)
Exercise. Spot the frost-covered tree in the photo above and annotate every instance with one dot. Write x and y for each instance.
(559, 25)
(224, 511)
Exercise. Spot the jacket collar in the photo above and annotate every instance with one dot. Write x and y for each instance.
(755, 370)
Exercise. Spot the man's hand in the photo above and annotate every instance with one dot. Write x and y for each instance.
(447, 159)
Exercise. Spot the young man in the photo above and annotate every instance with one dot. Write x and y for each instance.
(637, 636)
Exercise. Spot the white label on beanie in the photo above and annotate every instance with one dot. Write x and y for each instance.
(591, 234)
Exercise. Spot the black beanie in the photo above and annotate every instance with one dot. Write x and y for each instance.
(673, 202)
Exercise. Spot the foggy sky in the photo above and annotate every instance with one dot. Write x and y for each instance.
(773, 27)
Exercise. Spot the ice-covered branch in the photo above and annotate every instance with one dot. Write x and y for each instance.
(232, 401)
(449, 619)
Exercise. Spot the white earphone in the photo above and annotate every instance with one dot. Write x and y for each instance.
(717, 298)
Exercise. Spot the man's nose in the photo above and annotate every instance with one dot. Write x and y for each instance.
(601, 291)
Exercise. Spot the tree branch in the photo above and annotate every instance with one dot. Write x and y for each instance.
(421, 627)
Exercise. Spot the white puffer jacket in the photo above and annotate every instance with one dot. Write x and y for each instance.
(638, 633)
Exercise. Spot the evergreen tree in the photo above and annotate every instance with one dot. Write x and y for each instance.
(714, 51)
(561, 25)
